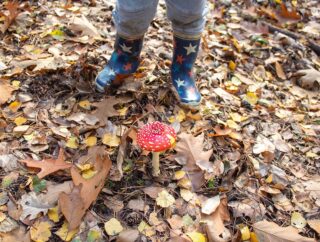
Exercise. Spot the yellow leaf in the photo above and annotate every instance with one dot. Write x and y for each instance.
(237, 117)
(113, 227)
(14, 106)
(232, 124)
(186, 194)
(184, 183)
(91, 141)
(235, 135)
(53, 214)
(2, 216)
(20, 120)
(251, 98)
(64, 233)
(111, 140)
(196, 237)
(57, 34)
(123, 111)
(85, 104)
(181, 116)
(232, 65)
(146, 229)
(15, 83)
(269, 179)
(253, 237)
(165, 199)
(87, 174)
(72, 142)
(179, 175)
(84, 167)
(40, 231)
(245, 233)
(297, 220)
(94, 235)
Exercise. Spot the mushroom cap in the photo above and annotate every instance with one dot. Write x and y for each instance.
(156, 137)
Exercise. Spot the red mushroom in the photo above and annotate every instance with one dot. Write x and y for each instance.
(156, 137)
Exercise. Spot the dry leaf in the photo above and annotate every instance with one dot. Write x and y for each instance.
(189, 154)
(5, 91)
(105, 109)
(65, 233)
(40, 231)
(297, 220)
(113, 227)
(280, 72)
(85, 191)
(12, 7)
(165, 199)
(210, 205)
(48, 166)
(271, 232)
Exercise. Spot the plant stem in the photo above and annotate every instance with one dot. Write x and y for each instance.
(155, 164)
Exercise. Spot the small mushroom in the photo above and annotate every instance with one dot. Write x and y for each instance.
(156, 137)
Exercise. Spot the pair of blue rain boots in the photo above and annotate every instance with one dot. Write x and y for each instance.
(125, 61)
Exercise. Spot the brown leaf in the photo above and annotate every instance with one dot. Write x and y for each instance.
(48, 166)
(12, 7)
(72, 206)
(215, 222)
(189, 153)
(285, 15)
(106, 108)
(271, 232)
(132, 132)
(88, 191)
(280, 72)
(5, 91)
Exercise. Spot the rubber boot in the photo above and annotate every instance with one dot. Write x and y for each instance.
(123, 62)
(184, 57)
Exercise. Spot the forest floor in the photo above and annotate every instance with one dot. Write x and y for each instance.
(245, 166)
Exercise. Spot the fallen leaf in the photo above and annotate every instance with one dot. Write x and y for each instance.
(113, 227)
(210, 205)
(270, 231)
(280, 72)
(215, 228)
(48, 166)
(65, 233)
(189, 153)
(196, 237)
(112, 140)
(85, 191)
(105, 109)
(245, 233)
(314, 224)
(91, 141)
(297, 220)
(165, 199)
(5, 91)
(32, 205)
(12, 7)
(7, 225)
(128, 236)
(40, 231)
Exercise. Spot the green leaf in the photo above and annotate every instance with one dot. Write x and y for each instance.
(38, 185)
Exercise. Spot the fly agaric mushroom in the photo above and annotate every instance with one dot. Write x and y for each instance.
(156, 137)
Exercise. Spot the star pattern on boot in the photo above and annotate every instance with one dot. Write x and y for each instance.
(126, 48)
(180, 59)
(190, 49)
(180, 83)
(127, 67)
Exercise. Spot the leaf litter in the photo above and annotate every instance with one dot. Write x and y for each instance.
(245, 165)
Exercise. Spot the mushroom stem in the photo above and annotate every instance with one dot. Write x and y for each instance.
(155, 164)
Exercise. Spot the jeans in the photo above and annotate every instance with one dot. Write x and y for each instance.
(132, 17)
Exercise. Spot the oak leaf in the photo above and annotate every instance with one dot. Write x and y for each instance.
(190, 154)
(106, 108)
(5, 91)
(74, 205)
(270, 231)
(12, 7)
(48, 166)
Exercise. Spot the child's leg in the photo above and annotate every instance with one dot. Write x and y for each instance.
(188, 20)
(132, 19)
